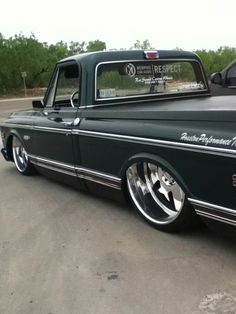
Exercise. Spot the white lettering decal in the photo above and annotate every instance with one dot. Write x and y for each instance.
(148, 81)
(233, 142)
(153, 80)
(207, 140)
(167, 68)
(144, 69)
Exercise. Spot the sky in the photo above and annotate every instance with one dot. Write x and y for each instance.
(167, 24)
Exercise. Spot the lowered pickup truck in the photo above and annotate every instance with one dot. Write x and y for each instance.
(139, 122)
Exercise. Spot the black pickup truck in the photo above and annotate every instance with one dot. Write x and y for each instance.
(142, 123)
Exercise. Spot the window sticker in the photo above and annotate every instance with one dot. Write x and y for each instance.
(153, 80)
(144, 69)
(130, 69)
(107, 93)
(167, 68)
(191, 86)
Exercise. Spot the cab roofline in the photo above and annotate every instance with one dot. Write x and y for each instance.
(102, 56)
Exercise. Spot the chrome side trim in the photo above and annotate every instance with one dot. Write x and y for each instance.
(216, 217)
(51, 162)
(41, 128)
(81, 172)
(162, 143)
(212, 206)
(100, 181)
(40, 164)
(99, 174)
(50, 129)
(215, 212)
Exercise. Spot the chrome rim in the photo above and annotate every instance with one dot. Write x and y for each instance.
(155, 192)
(19, 154)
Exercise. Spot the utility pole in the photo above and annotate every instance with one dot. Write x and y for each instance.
(23, 75)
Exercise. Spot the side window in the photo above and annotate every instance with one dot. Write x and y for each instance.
(232, 71)
(231, 77)
(64, 86)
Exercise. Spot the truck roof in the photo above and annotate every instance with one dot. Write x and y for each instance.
(103, 56)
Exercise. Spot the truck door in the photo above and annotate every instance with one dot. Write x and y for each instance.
(53, 147)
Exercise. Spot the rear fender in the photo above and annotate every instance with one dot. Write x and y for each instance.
(145, 157)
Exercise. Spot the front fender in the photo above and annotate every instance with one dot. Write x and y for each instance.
(8, 142)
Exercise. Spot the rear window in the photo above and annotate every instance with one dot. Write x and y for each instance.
(148, 78)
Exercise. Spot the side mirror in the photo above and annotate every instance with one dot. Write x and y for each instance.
(216, 78)
(37, 104)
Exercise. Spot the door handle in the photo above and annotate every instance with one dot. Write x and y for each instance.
(76, 122)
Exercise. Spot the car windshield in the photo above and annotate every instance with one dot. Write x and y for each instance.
(148, 78)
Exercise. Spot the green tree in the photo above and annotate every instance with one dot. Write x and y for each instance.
(20, 54)
(76, 47)
(141, 45)
(1, 38)
(26, 54)
(96, 45)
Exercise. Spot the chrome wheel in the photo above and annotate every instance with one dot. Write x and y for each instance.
(156, 194)
(20, 156)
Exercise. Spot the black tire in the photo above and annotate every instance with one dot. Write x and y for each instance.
(159, 198)
(20, 157)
